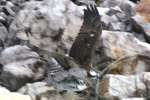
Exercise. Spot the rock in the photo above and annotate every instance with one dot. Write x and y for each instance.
(142, 8)
(14, 96)
(115, 18)
(51, 96)
(141, 19)
(7, 95)
(131, 65)
(45, 26)
(124, 86)
(133, 99)
(120, 44)
(3, 36)
(124, 5)
(3, 90)
(118, 15)
(142, 25)
(19, 66)
(115, 45)
(8, 11)
(42, 91)
(36, 89)
(3, 32)
(42, 24)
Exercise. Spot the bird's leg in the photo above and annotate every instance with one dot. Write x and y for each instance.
(94, 78)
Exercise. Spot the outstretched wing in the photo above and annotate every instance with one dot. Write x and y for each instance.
(85, 43)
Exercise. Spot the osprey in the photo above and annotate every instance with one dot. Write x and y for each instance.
(85, 43)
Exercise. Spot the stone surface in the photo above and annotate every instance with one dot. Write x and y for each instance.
(14, 96)
(3, 90)
(133, 99)
(3, 36)
(41, 24)
(131, 65)
(47, 26)
(142, 25)
(51, 26)
(124, 86)
(42, 91)
(7, 95)
(125, 4)
(119, 44)
(36, 89)
(19, 66)
(115, 45)
(115, 18)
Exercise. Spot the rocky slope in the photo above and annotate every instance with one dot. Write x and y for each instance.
(35, 40)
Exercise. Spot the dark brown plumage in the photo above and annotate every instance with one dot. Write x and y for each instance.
(84, 46)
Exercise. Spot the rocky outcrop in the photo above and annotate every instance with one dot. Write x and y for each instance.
(7, 95)
(42, 91)
(20, 65)
(142, 25)
(115, 45)
(47, 26)
(125, 86)
(35, 39)
(130, 65)
(120, 44)
(37, 90)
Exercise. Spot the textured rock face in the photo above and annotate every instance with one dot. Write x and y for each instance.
(41, 91)
(116, 18)
(131, 65)
(7, 95)
(14, 96)
(36, 90)
(51, 26)
(47, 24)
(133, 99)
(126, 6)
(109, 3)
(20, 65)
(142, 25)
(124, 86)
(41, 23)
(115, 45)
(120, 44)
(3, 36)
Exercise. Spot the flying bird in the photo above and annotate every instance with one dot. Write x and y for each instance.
(86, 41)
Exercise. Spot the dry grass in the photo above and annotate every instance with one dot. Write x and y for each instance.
(143, 8)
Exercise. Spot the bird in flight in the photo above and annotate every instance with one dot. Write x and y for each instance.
(86, 41)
